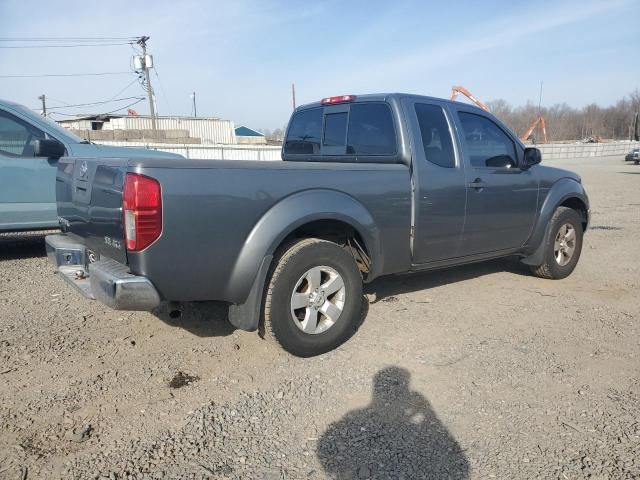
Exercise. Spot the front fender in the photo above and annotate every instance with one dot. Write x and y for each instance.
(561, 191)
(290, 213)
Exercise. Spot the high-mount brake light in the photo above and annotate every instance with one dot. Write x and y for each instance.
(338, 99)
(142, 211)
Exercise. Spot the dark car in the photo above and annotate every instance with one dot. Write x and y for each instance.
(633, 156)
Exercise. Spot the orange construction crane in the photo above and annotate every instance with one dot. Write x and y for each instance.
(532, 127)
(456, 89)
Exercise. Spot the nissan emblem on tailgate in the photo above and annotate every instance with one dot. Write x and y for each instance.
(83, 169)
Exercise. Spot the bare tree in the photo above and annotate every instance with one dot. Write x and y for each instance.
(565, 123)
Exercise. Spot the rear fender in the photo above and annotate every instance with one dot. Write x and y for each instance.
(289, 214)
(560, 192)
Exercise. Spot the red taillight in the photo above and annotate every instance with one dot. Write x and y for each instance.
(338, 99)
(142, 211)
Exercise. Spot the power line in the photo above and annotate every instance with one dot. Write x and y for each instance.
(66, 39)
(58, 100)
(166, 99)
(42, 75)
(126, 106)
(125, 88)
(68, 46)
(95, 103)
(105, 113)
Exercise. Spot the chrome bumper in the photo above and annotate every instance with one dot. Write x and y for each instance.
(105, 279)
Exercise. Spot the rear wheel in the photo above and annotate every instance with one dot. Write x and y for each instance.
(563, 245)
(314, 298)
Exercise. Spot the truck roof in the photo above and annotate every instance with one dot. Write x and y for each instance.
(384, 97)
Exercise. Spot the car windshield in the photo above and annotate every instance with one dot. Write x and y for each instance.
(70, 136)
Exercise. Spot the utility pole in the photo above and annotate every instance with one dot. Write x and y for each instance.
(142, 41)
(293, 95)
(195, 110)
(44, 104)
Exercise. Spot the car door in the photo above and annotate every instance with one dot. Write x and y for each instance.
(27, 183)
(502, 198)
(439, 191)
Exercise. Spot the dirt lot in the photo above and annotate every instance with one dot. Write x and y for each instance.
(476, 372)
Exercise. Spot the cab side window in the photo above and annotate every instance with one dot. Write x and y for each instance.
(436, 137)
(486, 144)
(17, 138)
(371, 130)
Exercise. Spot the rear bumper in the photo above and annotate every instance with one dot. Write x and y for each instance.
(104, 279)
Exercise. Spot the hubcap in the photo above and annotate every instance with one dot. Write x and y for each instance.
(565, 244)
(317, 300)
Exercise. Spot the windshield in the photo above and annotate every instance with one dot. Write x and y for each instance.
(50, 123)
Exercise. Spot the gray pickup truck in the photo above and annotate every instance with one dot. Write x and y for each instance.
(369, 185)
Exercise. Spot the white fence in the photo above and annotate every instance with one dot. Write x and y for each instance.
(550, 151)
(209, 152)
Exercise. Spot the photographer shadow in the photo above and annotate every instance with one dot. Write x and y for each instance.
(398, 436)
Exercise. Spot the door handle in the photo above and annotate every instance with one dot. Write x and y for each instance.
(477, 184)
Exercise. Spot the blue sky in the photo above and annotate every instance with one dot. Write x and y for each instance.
(242, 56)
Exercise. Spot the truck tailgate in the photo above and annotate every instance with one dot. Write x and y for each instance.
(89, 198)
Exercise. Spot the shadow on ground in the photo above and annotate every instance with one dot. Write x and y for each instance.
(211, 319)
(19, 247)
(398, 284)
(203, 319)
(397, 436)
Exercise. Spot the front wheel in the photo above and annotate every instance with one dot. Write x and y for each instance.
(314, 298)
(563, 245)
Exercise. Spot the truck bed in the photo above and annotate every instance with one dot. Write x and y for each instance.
(211, 207)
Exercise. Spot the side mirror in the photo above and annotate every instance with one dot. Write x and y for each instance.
(48, 148)
(532, 156)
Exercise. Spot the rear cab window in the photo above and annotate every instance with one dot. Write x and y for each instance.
(349, 130)
(335, 129)
(305, 132)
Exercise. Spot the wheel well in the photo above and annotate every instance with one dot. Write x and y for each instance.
(338, 232)
(579, 206)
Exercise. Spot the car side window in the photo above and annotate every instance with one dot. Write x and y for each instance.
(304, 132)
(17, 138)
(486, 144)
(371, 130)
(436, 137)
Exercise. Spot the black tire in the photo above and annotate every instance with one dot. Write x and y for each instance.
(551, 268)
(293, 263)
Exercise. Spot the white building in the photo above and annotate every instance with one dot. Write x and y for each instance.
(209, 131)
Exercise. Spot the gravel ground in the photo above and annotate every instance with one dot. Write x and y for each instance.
(480, 371)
